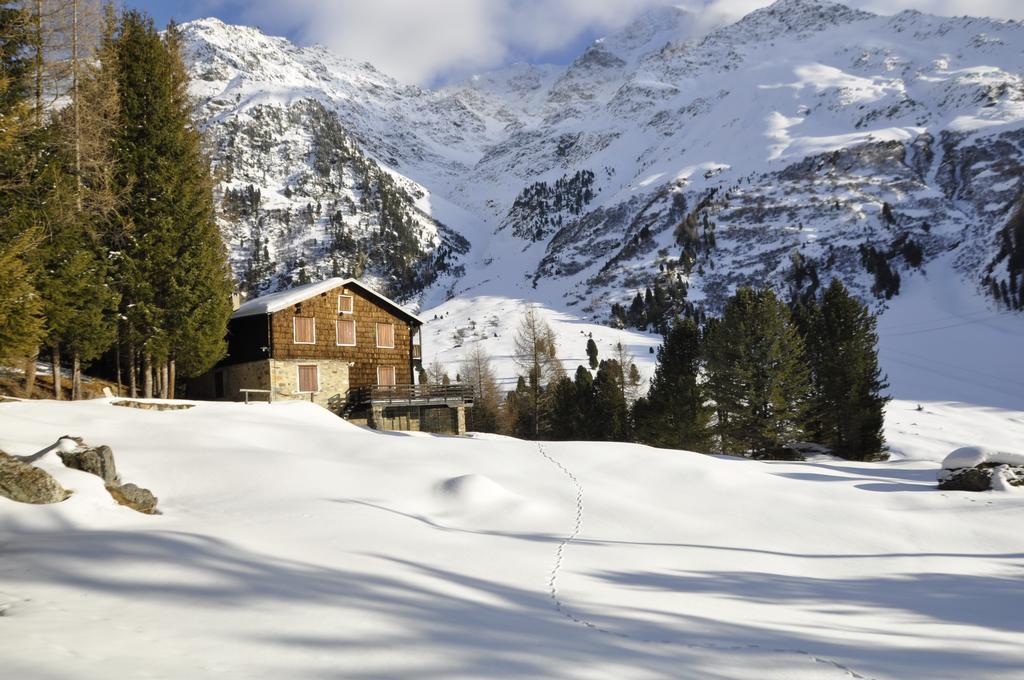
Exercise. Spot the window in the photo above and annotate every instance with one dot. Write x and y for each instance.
(304, 330)
(309, 378)
(386, 335)
(386, 376)
(344, 304)
(346, 333)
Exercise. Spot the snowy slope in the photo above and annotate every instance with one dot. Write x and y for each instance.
(293, 544)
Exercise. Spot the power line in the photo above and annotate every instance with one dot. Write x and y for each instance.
(984, 383)
(939, 328)
(978, 316)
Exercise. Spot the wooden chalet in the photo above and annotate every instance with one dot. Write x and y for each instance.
(340, 344)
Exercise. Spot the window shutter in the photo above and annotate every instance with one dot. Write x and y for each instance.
(385, 335)
(346, 332)
(305, 330)
(309, 379)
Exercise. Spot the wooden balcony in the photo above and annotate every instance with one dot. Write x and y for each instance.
(402, 395)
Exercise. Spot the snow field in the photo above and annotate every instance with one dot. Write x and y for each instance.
(294, 544)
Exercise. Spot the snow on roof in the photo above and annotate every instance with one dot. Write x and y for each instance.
(275, 302)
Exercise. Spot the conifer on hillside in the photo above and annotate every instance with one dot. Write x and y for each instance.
(757, 375)
(609, 413)
(847, 403)
(592, 354)
(565, 408)
(21, 313)
(176, 296)
(674, 413)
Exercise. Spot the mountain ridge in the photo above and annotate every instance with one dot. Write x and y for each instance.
(823, 134)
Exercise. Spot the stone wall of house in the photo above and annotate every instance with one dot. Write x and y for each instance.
(253, 375)
(333, 379)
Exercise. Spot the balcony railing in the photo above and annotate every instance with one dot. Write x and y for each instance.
(411, 395)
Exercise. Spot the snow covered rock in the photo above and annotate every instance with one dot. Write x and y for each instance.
(976, 468)
(26, 483)
(97, 460)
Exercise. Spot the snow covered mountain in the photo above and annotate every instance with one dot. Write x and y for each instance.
(804, 141)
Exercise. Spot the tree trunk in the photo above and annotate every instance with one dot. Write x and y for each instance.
(165, 373)
(55, 358)
(158, 383)
(133, 371)
(30, 375)
(117, 360)
(147, 375)
(172, 379)
(76, 377)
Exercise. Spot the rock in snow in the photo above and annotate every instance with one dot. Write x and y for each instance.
(26, 483)
(135, 497)
(98, 460)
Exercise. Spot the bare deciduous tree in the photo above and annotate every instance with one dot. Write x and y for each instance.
(477, 372)
(536, 354)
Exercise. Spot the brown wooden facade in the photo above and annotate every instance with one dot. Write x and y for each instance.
(365, 356)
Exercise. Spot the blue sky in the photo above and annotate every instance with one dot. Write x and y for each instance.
(431, 41)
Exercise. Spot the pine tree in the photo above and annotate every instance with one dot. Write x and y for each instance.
(21, 318)
(175, 277)
(21, 321)
(757, 377)
(674, 413)
(76, 195)
(636, 315)
(565, 410)
(519, 412)
(847, 406)
(592, 353)
(608, 417)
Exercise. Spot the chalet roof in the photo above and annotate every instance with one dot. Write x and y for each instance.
(275, 302)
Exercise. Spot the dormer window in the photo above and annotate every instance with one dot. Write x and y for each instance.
(345, 304)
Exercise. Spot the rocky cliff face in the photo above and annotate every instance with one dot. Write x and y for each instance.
(806, 141)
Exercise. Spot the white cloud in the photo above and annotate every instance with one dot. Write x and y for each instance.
(423, 40)
(420, 40)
